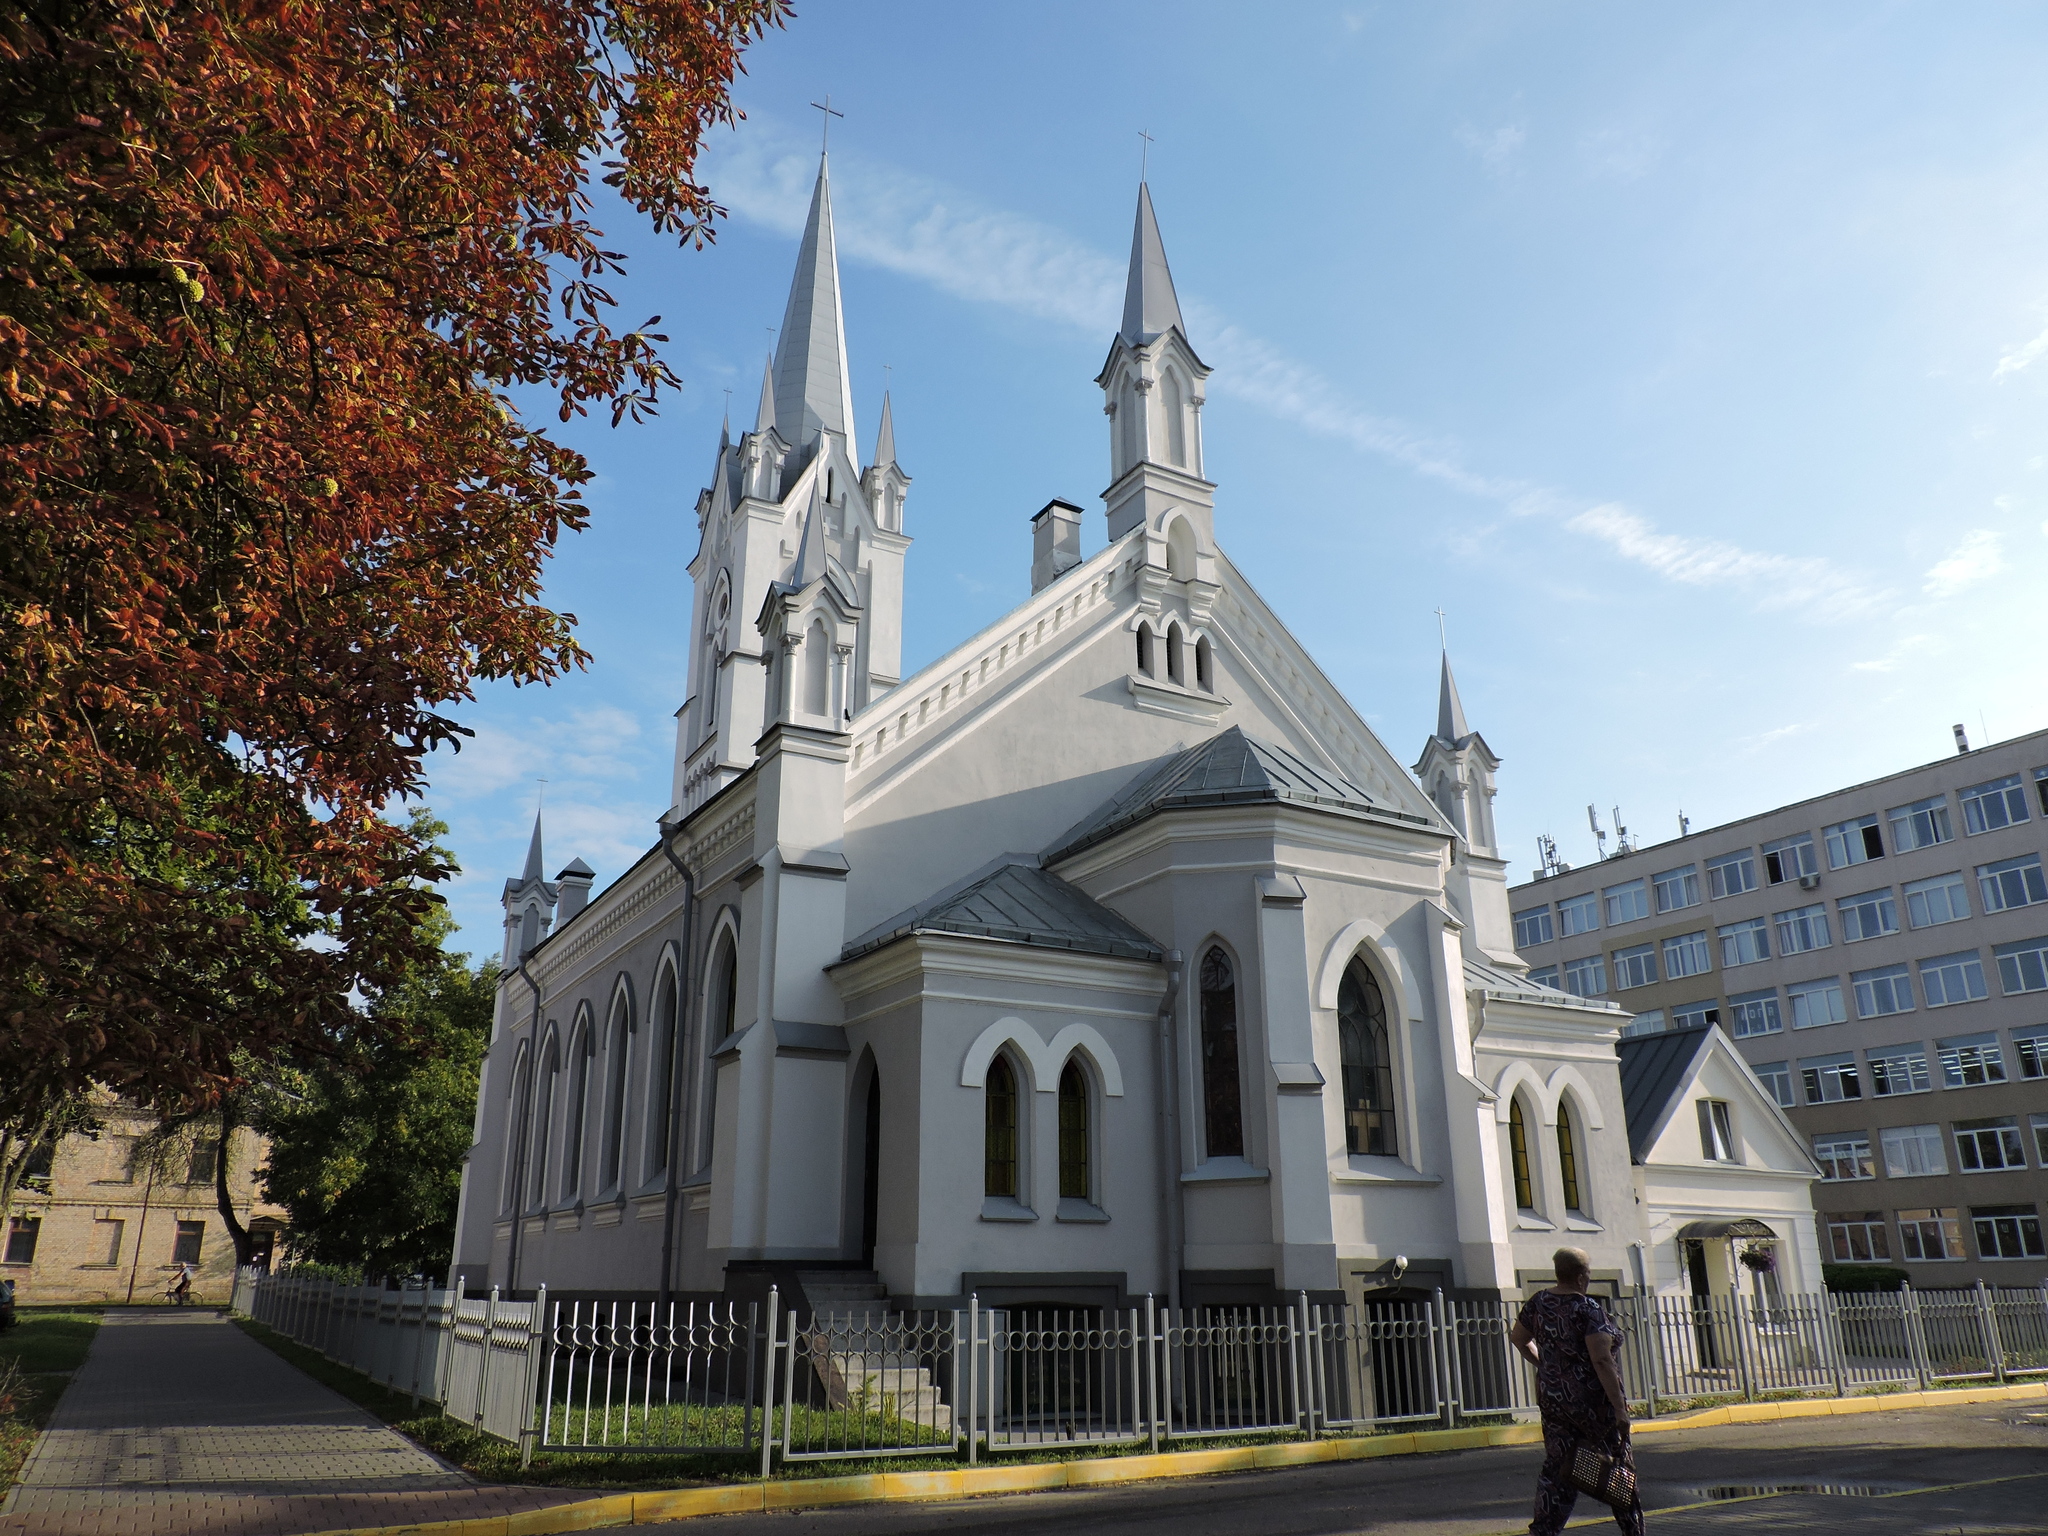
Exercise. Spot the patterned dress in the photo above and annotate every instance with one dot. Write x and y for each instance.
(1574, 1404)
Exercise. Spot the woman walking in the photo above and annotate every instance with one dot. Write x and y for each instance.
(1570, 1339)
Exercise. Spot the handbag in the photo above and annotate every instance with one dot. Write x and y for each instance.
(1608, 1478)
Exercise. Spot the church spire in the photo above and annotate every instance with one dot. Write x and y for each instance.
(1150, 305)
(764, 418)
(1450, 710)
(885, 438)
(533, 858)
(812, 391)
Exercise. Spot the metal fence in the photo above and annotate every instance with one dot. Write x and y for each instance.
(749, 1380)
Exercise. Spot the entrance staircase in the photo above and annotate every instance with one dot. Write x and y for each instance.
(869, 1356)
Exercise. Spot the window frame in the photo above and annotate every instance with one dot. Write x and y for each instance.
(1077, 1163)
(1881, 900)
(1718, 886)
(1993, 888)
(1220, 1041)
(1924, 1140)
(1718, 1143)
(1970, 1150)
(1798, 996)
(1800, 923)
(1690, 947)
(1002, 1129)
(1855, 849)
(1929, 816)
(1756, 1013)
(1836, 1150)
(1572, 908)
(1372, 1076)
(2008, 794)
(1887, 1062)
(1634, 967)
(1947, 1230)
(1528, 920)
(1631, 897)
(1685, 879)
(1951, 885)
(1895, 980)
(1804, 860)
(1739, 938)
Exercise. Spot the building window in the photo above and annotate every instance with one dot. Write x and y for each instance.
(1649, 1022)
(1578, 914)
(1940, 899)
(999, 1130)
(185, 1246)
(1869, 916)
(1367, 1058)
(578, 1112)
(1844, 1156)
(2039, 1125)
(1802, 929)
(1626, 903)
(107, 1240)
(1754, 1013)
(1687, 955)
(2031, 1046)
(1695, 1015)
(1776, 1076)
(1587, 977)
(2012, 883)
(1677, 888)
(1930, 1234)
(1145, 649)
(617, 1052)
(2041, 788)
(1815, 1003)
(1533, 927)
(1544, 976)
(1743, 943)
(1222, 1104)
(1635, 967)
(1859, 1237)
(1921, 824)
(1518, 1152)
(1175, 668)
(1717, 1131)
(1853, 842)
(2007, 1232)
(1568, 1158)
(22, 1232)
(1074, 1134)
(1913, 1151)
(1886, 989)
(1731, 874)
(199, 1165)
(1830, 1079)
(1957, 978)
(1790, 857)
(1205, 666)
(661, 1091)
(543, 1127)
(1970, 1061)
(1986, 1146)
(1999, 803)
(1897, 1069)
(2022, 967)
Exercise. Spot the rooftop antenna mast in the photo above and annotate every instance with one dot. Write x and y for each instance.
(1684, 824)
(1599, 832)
(1546, 856)
(1621, 844)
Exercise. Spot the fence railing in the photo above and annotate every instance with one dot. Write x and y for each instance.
(761, 1381)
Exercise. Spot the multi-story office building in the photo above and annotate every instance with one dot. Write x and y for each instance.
(1880, 955)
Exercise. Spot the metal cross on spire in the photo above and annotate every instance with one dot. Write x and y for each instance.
(825, 106)
(1144, 154)
(1442, 642)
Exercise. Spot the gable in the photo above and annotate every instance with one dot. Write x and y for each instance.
(1714, 1069)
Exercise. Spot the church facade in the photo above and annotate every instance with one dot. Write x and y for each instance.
(1110, 953)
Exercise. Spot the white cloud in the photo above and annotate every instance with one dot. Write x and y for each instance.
(1497, 148)
(2015, 359)
(1771, 581)
(1980, 555)
(1620, 154)
(1902, 650)
(593, 743)
(1764, 739)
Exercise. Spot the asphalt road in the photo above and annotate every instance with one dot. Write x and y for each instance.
(1896, 1472)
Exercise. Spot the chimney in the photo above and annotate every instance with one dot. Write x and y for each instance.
(1962, 739)
(574, 885)
(1055, 543)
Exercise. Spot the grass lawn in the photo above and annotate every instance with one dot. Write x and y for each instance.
(37, 1357)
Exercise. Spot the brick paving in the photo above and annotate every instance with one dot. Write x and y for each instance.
(179, 1422)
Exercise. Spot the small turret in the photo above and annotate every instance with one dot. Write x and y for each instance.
(529, 905)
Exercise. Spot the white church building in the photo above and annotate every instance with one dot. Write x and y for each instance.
(1110, 953)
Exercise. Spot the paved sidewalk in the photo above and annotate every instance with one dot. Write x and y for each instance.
(179, 1422)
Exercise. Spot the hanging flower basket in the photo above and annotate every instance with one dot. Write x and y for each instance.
(1761, 1257)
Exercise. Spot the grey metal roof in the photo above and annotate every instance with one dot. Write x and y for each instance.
(1500, 983)
(1652, 1067)
(1229, 768)
(1021, 904)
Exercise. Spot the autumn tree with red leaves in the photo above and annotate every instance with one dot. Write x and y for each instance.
(268, 271)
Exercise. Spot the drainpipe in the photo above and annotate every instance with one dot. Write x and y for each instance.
(525, 1129)
(677, 1066)
(1171, 1240)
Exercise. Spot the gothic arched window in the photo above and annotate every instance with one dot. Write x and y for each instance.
(723, 998)
(618, 1045)
(1568, 1156)
(1205, 666)
(543, 1124)
(999, 1136)
(1173, 405)
(1222, 1103)
(1145, 649)
(1074, 1183)
(1518, 1152)
(817, 670)
(661, 1087)
(1176, 669)
(515, 1110)
(579, 1110)
(1367, 1057)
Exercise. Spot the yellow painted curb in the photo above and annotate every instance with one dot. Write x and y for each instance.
(1106, 1471)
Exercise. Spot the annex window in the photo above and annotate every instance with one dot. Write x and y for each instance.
(1830, 1079)
(1970, 1061)
(185, 1245)
(1988, 1145)
(1568, 1158)
(999, 1130)
(1687, 955)
(1776, 1076)
(1790, 857)
(1518, 1152)
(1897, 1069)
(1544, 975)
(1587, 977)
(1578, 914)
(1731, 874)
(1222, 1102)
(1695, 1015)
(2022, 967)
(1743, 943)
(1936, 900)
(1844, 1156)
(1930, 1234)
(1868, 916)
(1649, 1022)
(1957, 978)
(1754, 1013)
(1853, 842)
(1717, 1131)
(1989, 806)
(22, 1235)
(1882, 990)
(1913, 1151)
(2012, 883)
(1367, 1057)
(1859, 1237)
(1815, 1003)
(1635, 967)
(1626, 903)
(1802, 929)
(1074, 1183)
(2007, 1231)
(1921, 824)
(1677, 889)
(2030, 1045)
(1534, 927)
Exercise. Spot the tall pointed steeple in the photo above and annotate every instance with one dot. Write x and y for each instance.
(812, 390)
(533, 860)
(1150, 305)
(885, 439)
(1450, 710)
(764, 417)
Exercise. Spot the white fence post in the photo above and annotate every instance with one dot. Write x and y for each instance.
(768, 1380)
(535, 1326)
(1987, 1317)
(974, 1375)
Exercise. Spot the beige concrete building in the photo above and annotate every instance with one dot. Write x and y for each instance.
(105, 1221)
(1879, 955)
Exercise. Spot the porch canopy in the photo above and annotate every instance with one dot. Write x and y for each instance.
(1742, 1226)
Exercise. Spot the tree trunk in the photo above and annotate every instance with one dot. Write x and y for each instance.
(245, 1246)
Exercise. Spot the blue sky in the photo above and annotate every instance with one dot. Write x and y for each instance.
(1693, 360)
